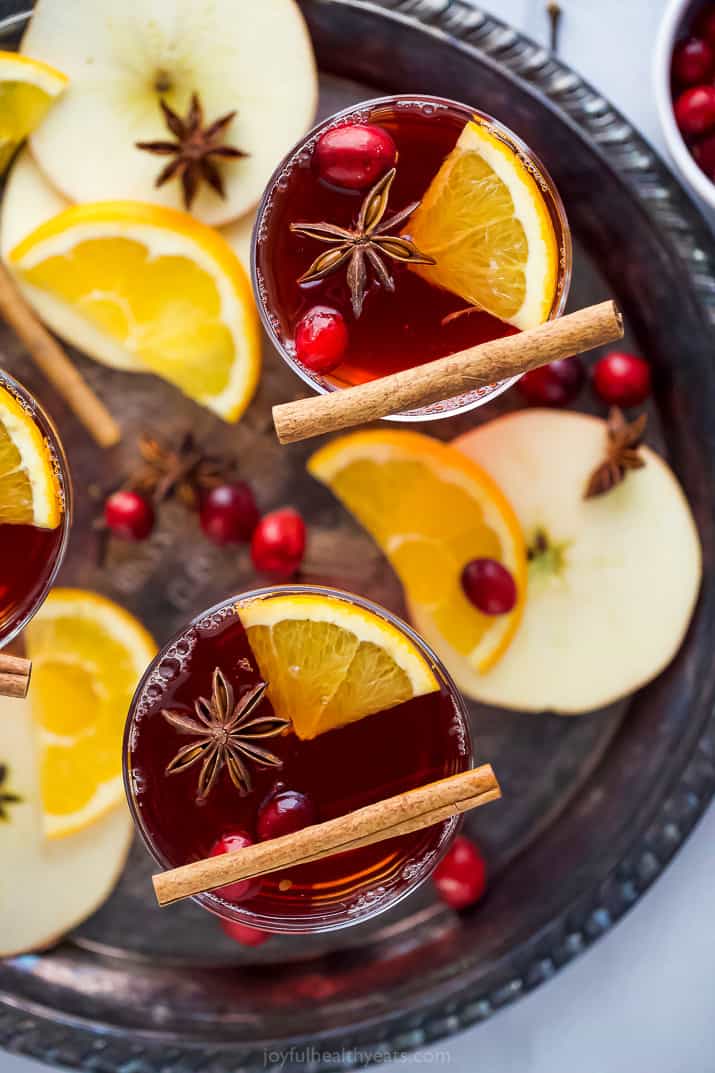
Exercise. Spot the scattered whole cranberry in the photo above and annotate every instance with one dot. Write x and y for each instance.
(556, 384)
(461, 875)
(129, 515)
(355, 155)
(244, 888)
(704, 153)
(229, 513)
(695, 110)
(693, 61)
(283, 813)
(489, 586)
(244, 934)
(278, 543)
(321, 339)
(622, 379)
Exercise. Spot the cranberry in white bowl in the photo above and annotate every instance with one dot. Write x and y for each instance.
(684, 77)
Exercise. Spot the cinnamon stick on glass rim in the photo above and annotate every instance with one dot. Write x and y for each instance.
(14, 676)
(399, 815)
(478, 366)
(49, 356)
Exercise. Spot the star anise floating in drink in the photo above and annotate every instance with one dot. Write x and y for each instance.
(368, 244)
(194, 151)
(624, 439)
(226, 733)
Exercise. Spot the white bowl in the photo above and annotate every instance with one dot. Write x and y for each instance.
(677, 16)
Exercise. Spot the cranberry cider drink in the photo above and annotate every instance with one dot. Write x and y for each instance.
(34, 514)
(400, 232)
(281, 709)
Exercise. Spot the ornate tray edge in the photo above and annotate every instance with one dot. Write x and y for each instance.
(71, 1044)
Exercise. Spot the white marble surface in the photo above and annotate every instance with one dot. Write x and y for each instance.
(642, 999)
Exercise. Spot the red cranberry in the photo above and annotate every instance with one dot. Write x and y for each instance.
(355, 155)
(556, 384)
(622, 379)
(321, 339)
(695, 110)
(278, 543)
(129, 515)
(489, 586)
(704, 153)
(461, 875)
(693, 60)
(243, 934)
(229, 513)
(244, 888)
(284, 813)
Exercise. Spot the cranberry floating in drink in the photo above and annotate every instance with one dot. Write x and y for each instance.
(404, 230)
(281, 709)
(34, 507)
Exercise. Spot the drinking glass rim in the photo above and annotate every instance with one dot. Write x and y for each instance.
(317, 383)
(241, 913)
(50, 434)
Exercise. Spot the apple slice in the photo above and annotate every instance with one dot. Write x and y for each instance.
(48, 887)
(613, 580)
(122, 59)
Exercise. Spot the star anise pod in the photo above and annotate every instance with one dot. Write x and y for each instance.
(226, 731)
(367, 244)
(624, 439)
(6, 797)
(193, 150)
(184, 471)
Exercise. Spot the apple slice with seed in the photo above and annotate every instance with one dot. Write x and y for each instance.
(613, 580)
(122, 60)
(48, 887)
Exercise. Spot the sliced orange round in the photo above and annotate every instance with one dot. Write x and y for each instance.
(485, 222)
(431, 510)
(29, 489)
(27, 90)
(150, 289)
(88, 655)
(329, 661)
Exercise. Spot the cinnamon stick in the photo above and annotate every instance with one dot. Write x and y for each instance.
(14, 676)
(49, 356)
(399, 815)
(476, 367)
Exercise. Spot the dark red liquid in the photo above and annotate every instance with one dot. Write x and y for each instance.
(340, 770)
(396, 330)
(27, 558)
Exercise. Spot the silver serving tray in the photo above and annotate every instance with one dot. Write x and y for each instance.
(594, 807)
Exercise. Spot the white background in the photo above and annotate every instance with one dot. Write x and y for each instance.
(643, 999)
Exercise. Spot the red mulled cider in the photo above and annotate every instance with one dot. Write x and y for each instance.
(34, 483)
(371, 250)
(287, 673)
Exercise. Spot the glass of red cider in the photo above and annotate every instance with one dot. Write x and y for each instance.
(340, 770)
(416, 322)
(30, 557)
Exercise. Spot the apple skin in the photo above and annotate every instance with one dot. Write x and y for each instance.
(54, 884)
(615, 613)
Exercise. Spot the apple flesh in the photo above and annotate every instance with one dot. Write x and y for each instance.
(613, 580)
(49, 886)
(122, 59)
